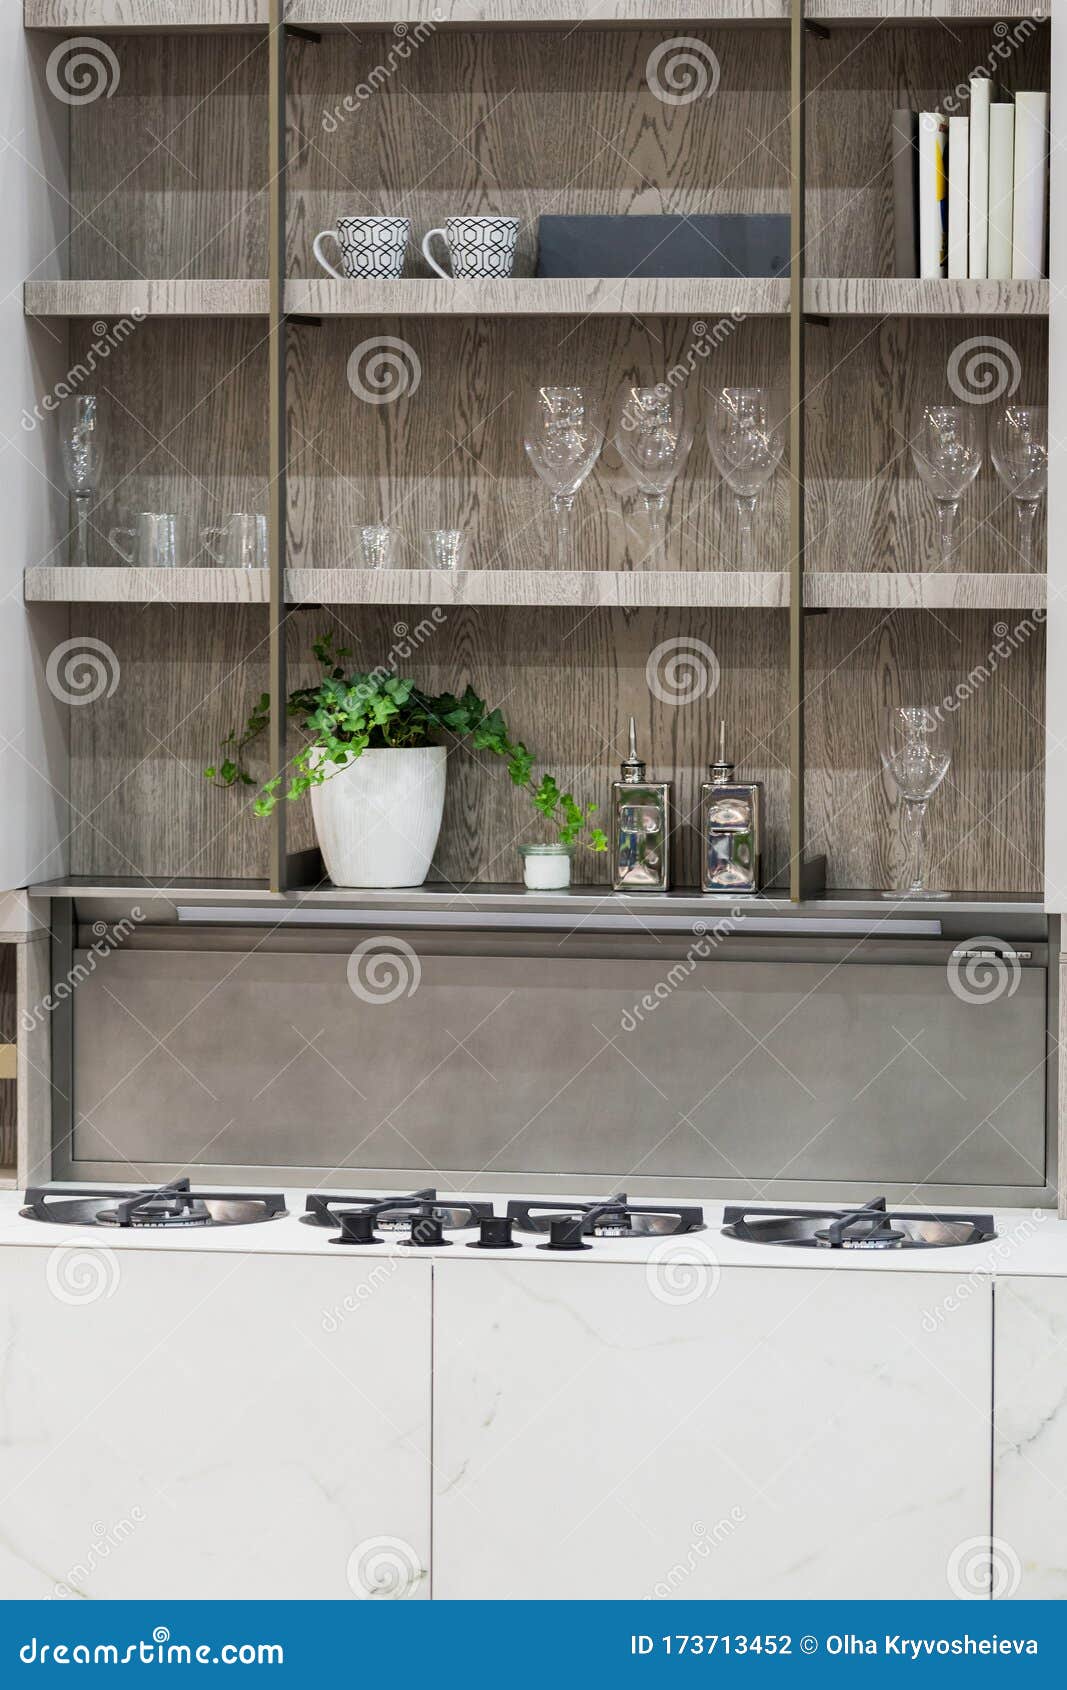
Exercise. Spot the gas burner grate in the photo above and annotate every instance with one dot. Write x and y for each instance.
(170, 1206)
(393, 1214)
(870, 1226)
(570, 1224)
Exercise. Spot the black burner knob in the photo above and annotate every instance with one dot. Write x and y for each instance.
(427, 1233)
(566, 1232)
(494, 1234)
(357, 1227)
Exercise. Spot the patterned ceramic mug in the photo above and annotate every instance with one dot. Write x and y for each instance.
(370, 247)
(477, 246)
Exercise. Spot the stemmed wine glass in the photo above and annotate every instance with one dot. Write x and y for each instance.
(946, 445)
(652, 437)
(915, 744)
(563, 437)
(746, 433)
(1019, 449)
(81, 436)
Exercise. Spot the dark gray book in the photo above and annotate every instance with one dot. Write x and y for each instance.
(724, 244)
(904, 137)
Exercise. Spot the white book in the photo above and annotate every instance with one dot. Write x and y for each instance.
(933, 194)
(1029, 213)
(959, 156)
(981, 98)
(1001, 190)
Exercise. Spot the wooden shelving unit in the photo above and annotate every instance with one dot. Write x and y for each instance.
(894, 297)
(132, 298)
(46, 584)
(892, 590)
(132, 16)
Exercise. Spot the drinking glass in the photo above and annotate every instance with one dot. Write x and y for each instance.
(652, 437)
(915, 745)
(81, 435)
(946, 445)
(378, 544)
(444, 548)
(563, 437)
(240, 543)
(1019, 449)
(746, 433)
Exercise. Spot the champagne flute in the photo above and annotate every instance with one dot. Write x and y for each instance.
(1019, 449)
(81, 436)
(652, 437)
(946, 445)
(746, 434)
(563, 437)
(915, 743)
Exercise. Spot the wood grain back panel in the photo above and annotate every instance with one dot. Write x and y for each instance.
(985, 825)
(530, 122)
(168, 175)
(448, 453)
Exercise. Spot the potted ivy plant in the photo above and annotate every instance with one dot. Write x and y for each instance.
(374, 763)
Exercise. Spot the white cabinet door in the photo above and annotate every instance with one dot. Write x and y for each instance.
(759, 1432)
(213, 1425)
(1030, 1415)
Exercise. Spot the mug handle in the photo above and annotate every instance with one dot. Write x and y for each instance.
(428, 255)
(113, 537)
(326, 234)
(206, 537)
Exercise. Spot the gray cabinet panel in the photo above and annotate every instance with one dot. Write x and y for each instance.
(809, 1070)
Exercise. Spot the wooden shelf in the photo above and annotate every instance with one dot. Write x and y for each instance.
(534, 296)
(768, 589)
(44, 584)
(850, 296)
(891, 590)
(165, 16)
(533, 14)
(146, 299)
(920, 11)
(537, 296)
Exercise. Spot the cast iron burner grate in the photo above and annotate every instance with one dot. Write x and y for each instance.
(570, 1224)
(872, 1226)
(394, 1214)
(172, 1205)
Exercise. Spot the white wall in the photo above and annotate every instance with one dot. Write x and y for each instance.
(33, 506)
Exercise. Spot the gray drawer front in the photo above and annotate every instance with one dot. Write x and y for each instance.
(498, 1065)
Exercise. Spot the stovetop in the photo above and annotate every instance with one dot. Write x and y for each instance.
(425, 1218)
(175, 1205)
(869, 1226)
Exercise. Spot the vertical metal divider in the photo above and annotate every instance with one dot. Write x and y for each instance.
(277, 506)
(797, 174)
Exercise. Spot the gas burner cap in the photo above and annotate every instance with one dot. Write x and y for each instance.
(884, 1239)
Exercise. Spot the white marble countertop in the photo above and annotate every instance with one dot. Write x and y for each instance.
(1029, 1241)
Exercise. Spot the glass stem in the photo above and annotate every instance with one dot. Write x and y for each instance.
(656, 505)
(947, 512)
(914, 817)
(562, 504)
(81, 532)
(746, 506)
(1025, 512)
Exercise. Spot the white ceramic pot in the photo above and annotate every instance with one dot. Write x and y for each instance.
(378, 820)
